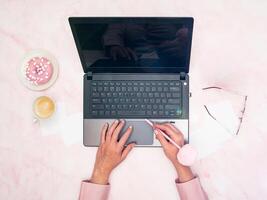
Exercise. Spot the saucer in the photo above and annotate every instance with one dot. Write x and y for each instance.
(47, 68)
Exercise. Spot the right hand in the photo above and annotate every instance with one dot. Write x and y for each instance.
(184, 173)
(170, 150)
(117, 52)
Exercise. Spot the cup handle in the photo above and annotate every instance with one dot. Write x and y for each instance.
(35, 120)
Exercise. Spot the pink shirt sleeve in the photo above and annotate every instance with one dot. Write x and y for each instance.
(191, 190)
(91, 191)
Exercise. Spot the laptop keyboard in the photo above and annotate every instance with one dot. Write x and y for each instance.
(135, 99)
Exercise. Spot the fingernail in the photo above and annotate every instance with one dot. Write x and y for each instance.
(134, 143)
(116, 121)
(122, 120)
(105, 124)
(130, 127)
(156, 131)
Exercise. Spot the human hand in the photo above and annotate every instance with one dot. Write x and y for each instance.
(118, 51)
(184, 173)
(111, 152)
(170, 150)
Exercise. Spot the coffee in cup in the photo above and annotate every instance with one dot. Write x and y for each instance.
(43, 107)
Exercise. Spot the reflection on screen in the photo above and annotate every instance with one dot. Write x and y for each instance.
(134, 45)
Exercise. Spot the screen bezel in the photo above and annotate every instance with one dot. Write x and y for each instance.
(80, 20)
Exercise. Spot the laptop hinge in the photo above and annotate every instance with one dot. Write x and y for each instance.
(182, 76)
(89, 75)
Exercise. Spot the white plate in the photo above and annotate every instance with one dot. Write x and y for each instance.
(23, 67)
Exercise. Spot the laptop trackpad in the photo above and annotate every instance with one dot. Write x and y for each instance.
(142, 133)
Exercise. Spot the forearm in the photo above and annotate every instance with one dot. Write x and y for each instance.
(184, 173)
(99, 177)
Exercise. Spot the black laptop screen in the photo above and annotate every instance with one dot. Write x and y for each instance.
(121, 45)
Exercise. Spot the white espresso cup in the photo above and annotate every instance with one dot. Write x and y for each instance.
(43, 108)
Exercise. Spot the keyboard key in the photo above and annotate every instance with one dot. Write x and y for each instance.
(94, 112)
(164, 100)
(165, 89)
(174, 101)
(106, 89)
(94, 89)
(171, 107)
(96, 100)
(95, 94)
(151, 100)
(174, 89)
(176, 94)
(107, 106)
(97, 106)
(149, 112)
(158, 100)
(125, 107)
(168, 95)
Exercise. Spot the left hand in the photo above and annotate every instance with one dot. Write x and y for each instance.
(111, 152)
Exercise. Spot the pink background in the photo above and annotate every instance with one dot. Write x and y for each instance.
(229, 50)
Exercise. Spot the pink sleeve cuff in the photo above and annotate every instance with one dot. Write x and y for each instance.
(91, 191)
(191, 190)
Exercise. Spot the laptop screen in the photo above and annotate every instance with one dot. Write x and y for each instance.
(133, 44)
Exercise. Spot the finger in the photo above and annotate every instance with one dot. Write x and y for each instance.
(132, 53)
(161, 138)
(178, 137)
(167, 129)
(103, 133)
(127, 150)
(125, 136)
(117, 131)
(111, 130)
(127, 53)
(121, 53)
(174, 128)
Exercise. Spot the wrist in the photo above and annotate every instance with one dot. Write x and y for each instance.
(184, 173)
(100, 177)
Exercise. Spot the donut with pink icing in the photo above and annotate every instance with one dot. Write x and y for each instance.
(39, 70)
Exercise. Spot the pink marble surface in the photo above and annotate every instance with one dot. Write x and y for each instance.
(230, 43)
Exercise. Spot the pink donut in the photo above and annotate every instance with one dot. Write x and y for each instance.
(39, 70)
(187, 155)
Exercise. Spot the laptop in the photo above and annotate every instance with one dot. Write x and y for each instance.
(134, 68)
